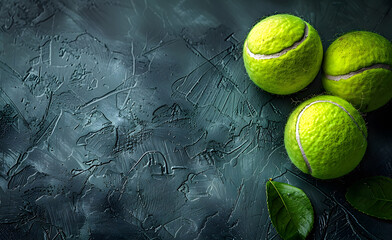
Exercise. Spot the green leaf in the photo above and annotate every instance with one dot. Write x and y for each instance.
(372, 196)
(290, 210)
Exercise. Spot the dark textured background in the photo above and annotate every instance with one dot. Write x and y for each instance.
(136, 120)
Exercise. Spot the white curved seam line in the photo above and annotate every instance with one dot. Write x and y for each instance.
(348, 75)
(299, 140)
(297, 128)
(278, 54)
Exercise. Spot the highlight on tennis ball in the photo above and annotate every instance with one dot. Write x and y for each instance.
(282, 54)
(358, 67)
(325, 137)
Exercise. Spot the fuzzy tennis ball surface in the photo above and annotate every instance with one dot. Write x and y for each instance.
(325, 137)
(282, 54)
(357, 67)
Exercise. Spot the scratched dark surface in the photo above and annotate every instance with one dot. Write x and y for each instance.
(136, 120)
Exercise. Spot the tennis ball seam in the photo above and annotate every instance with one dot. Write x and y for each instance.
(282, 52)
(351, 74)
(297, 137)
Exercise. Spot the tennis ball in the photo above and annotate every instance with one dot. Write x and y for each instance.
(325, 137)
(357, 67)
(282, 54)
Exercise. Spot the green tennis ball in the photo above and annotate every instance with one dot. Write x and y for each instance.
(282, 54)
(325, 137)
(357, 67)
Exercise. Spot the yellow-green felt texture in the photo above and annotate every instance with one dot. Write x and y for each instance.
(289, 72)
(367, 91)
(356, 50)
(275, 33)
(357, 67)
(333, 143)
